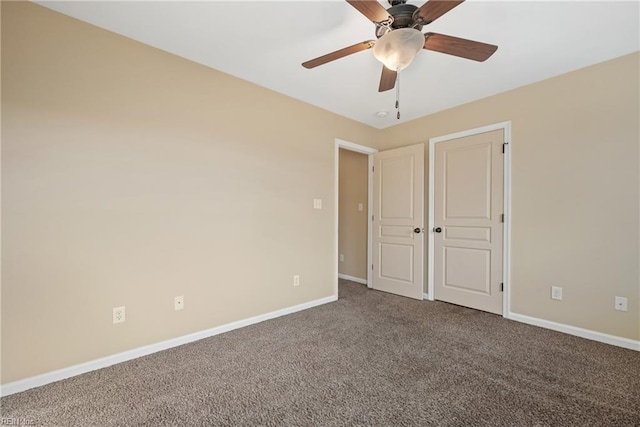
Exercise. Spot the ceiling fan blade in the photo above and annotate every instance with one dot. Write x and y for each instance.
(455, 46)
(434, 9)
(358, 47)
(387, 79)
(371, 9)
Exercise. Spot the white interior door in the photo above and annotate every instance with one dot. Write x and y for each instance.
(468, 227)
(398, 221)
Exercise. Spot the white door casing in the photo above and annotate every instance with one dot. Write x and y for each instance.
(398, 211)
(468, 207)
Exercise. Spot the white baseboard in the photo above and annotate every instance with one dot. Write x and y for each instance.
(579, 332)
(352, 278)
(71, 371)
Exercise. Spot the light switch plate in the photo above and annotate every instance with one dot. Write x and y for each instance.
(317, 203)
(360, 207)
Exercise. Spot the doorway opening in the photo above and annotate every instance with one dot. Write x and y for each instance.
(394, 219)
(353, 210)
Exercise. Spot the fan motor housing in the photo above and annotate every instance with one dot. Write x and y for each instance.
(402, 17)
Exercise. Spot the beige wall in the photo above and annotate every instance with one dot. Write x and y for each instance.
(575, 190)
(131, 176)
(352, 226)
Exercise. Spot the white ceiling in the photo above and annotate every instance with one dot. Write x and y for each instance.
(266, 41)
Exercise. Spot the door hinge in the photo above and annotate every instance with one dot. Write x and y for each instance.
(504, 144)
(373, 168)
(502, 218)
(372, 217)
(372, 266)
(501, 287)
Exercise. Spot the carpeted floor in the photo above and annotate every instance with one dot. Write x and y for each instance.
(368, 359)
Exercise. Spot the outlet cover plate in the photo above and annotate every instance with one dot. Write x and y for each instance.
(621, 304)
(178, 303)
(119, 315)
(556, 293)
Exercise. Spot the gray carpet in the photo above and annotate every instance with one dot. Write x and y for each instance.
(369, 359)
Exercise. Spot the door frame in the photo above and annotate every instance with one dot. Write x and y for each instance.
(346, 145)
(506, 240)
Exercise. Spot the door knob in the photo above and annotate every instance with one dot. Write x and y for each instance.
(417, 230)
(437, 229)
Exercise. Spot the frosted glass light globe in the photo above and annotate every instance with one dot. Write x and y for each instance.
(397, 48)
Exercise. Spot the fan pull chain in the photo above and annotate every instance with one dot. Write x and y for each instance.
(398, 95)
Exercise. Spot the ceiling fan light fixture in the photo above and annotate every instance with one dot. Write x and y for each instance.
(397, 48)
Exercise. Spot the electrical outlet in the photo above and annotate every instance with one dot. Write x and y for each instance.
(118, 315)
(178, 303)
(296, 280)
(341, 257)
(556, 293)
(621, 304)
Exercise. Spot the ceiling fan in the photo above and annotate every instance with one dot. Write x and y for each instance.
(398, 30)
